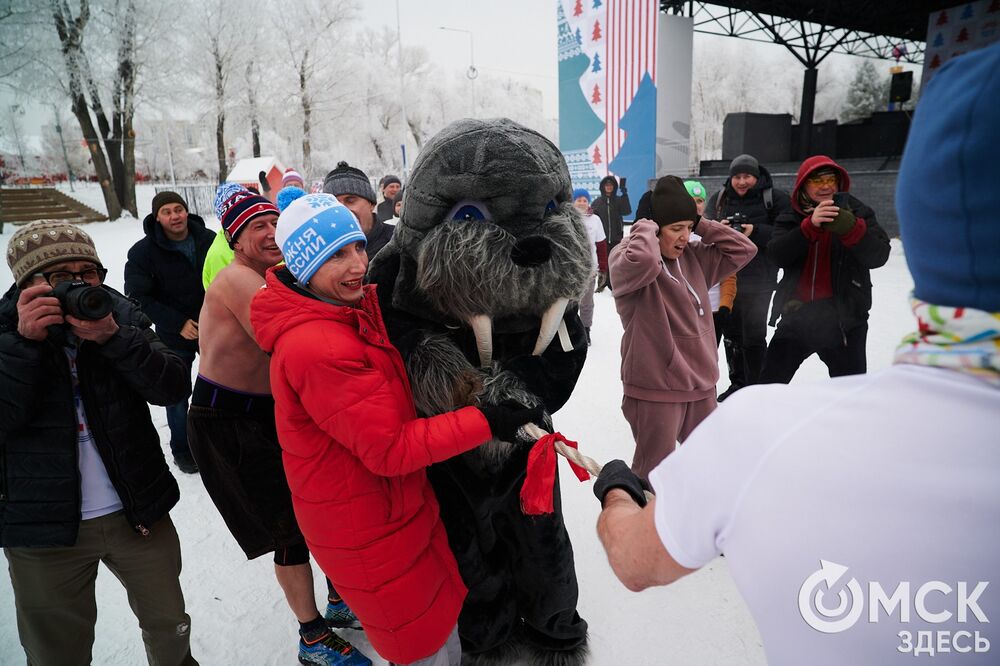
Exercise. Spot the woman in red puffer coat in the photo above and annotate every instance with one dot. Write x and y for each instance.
(353, 449)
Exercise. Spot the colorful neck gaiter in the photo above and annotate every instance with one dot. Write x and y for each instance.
(960, 339)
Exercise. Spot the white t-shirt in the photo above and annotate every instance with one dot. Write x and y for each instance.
(714, 290)
(596, 232)
(894, 475)
(98, 496)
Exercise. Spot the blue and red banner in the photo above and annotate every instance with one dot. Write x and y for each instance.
(607, 89)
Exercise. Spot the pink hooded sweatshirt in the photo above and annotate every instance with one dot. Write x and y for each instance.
(669, 352)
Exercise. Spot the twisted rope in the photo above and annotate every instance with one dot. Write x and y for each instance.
(571, 454)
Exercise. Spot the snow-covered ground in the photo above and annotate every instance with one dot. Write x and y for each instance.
(239, 615)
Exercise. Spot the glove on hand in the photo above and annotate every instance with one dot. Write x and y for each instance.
(265, 187)
(602, 282)
(507, 418)
(616, 474)
(841, 224)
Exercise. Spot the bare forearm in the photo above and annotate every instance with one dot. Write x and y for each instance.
(634, 549)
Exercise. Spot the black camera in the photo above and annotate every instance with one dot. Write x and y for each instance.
(737, 220)
(82, 300)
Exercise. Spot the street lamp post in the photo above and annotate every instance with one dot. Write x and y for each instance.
(472, 72)
(69, 169)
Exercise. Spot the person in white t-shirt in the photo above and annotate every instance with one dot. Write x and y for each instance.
(599, 252)
(858, 515)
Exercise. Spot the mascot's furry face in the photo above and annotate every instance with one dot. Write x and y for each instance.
(488, 218)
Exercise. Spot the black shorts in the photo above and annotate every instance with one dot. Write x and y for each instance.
(240, 463)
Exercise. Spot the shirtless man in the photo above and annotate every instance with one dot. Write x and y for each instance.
(232, 433)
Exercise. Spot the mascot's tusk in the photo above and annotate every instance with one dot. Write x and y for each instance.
(482, 327)
(550, 324)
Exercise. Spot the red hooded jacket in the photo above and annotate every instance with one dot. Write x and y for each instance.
(355, 456)
(816, 280)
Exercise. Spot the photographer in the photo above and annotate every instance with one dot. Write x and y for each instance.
(827, 247)
(749, 203)
(82, 473)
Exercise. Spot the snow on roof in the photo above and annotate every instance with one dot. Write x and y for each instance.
(246, 170)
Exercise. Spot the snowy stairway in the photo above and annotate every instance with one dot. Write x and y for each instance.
(19, 206)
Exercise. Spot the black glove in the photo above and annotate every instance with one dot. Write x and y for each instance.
(507, 418)
(721, 316)
(616, 474)
(602, 282)
(265, 187)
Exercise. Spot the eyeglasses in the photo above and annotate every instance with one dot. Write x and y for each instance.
(87, 275)
(825, 179)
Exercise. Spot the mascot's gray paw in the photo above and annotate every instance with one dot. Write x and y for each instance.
(506, 654)
(577, 656)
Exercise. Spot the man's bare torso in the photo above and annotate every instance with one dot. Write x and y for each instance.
(229, 353)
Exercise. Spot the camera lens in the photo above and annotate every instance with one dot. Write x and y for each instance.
(82, 300)
(93, 303)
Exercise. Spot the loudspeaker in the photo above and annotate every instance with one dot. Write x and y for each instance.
(901, 87)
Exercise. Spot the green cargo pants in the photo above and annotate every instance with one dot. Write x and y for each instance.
(54, 592)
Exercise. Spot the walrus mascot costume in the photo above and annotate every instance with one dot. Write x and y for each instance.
(478, 289)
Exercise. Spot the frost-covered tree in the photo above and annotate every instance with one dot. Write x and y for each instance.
(867, 92)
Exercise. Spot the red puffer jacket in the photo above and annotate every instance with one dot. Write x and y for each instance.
(354, 454)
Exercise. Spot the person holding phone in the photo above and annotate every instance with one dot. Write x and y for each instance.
(827, 246)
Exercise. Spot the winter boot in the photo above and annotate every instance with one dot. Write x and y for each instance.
(338, 615)
(325, 648)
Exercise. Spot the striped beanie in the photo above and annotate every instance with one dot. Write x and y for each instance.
(41, 244)
(292, 176)
(311, 230)
(239, 208)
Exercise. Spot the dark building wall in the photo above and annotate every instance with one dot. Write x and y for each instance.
(875, 188)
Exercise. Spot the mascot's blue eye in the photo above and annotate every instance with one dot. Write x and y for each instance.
(469, 211)
(551, 207)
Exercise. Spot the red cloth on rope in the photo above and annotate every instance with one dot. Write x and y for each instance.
(539, 483)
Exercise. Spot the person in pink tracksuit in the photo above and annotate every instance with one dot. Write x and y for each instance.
(669, 355)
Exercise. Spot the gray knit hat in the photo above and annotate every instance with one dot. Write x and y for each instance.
(38, 245)
(346, 179)
(745, 164)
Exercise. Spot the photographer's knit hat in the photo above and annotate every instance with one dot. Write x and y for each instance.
(311, 230)
(38, 245)
(950, 233)
(346, 179)
(671, 202)
(744, 164)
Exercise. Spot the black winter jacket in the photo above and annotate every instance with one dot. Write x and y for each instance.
(380, 234)
(39, 469)
(760, 275)
(850, 266)
(168, 288)
(611, 210)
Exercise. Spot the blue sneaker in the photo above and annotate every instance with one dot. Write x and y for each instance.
(339, 616)
(329, 649)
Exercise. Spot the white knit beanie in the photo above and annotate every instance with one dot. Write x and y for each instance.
(311, 229)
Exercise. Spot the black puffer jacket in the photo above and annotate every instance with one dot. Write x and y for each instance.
(39, 469)
(168, 288)
(761, 274)
(377, 238)
(611, 210)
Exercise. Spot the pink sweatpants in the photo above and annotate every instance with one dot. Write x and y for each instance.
(658, 426)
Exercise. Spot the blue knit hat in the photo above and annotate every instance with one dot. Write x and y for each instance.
(581, 192)
(287, 195)
(948, 191)
(311, 230)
